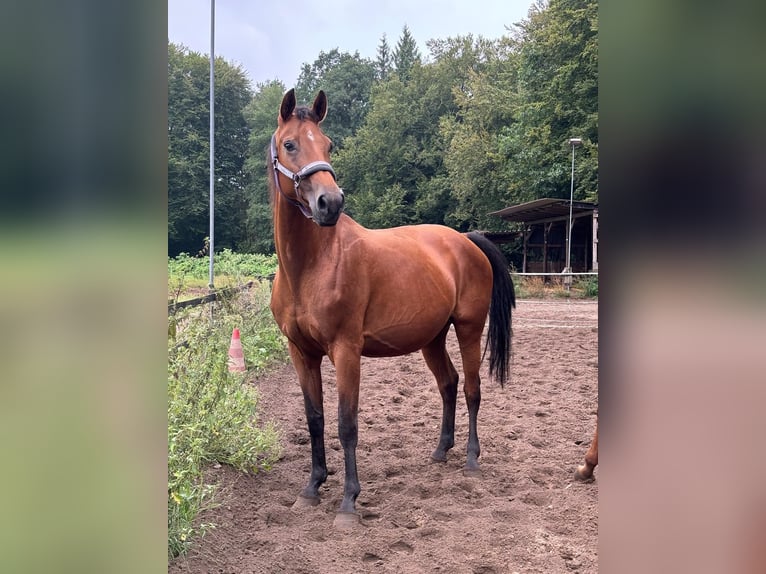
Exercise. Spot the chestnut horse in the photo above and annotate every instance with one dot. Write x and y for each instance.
(345, 291)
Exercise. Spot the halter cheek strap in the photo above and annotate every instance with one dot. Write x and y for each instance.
(304, 172)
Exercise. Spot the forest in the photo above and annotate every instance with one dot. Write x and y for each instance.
(473, 126)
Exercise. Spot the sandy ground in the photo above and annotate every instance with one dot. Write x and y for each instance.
(525, 514)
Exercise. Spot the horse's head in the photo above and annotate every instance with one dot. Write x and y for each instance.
(301, 152)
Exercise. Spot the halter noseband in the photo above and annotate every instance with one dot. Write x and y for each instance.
(302, 173)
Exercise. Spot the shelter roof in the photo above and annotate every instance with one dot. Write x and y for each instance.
(546, 209)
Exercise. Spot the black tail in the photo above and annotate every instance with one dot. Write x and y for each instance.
(503, 300)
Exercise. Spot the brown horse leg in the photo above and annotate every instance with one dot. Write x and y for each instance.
(584, 472)
(310, 378)
(438, 361)
(347, 366)
(469, 338)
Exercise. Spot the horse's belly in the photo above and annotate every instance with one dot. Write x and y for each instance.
(398, 340)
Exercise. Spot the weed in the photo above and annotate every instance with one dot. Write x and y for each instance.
(589, 285)
(212, 413)
(229, 269)
(537, 287)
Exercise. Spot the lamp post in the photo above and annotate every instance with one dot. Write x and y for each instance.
(574, 142)
(210, 284)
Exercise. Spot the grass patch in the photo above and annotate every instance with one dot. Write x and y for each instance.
(538, 287)
(212, 413)
(188, 276)
(588, 285)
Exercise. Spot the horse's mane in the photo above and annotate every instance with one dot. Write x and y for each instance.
(270, 175)
(305, 113)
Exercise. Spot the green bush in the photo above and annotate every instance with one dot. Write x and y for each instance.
(589, 286)
(212, 413)
(226, 263)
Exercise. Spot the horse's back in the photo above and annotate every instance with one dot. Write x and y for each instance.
(445, 247)
(420, 278)
(416, 254)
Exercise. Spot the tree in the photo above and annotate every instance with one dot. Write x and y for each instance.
(397, 155)
(406, 55)
(384, 62)
(188, 150)
(482, 125)
(261, 114)
(486, 96)
(468, 68)
(232, 95)
(347, 80)
(418, 154)
(558, 90)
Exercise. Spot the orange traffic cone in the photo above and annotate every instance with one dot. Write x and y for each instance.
(236, 356)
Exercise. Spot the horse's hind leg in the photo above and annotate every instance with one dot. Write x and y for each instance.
(584, 472)
(310, 378)
(469, 338)
(438, 361)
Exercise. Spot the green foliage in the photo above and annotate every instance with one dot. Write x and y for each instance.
(529, 287)
(558, 99)
(402, 149)
(378, 212)
(536, 287)
(588, 285)
(241, 266)
(384, 61)
(347, 79)
(189, 150)
(480, 125)
(406, 55)
(212, 413)
(260, 115)
(486, 98)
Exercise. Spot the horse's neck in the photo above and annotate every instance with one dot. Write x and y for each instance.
(301, 244)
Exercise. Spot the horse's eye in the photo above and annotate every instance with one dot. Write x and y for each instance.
(289, 146)
(332, 146)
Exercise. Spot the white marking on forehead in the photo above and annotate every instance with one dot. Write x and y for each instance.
(310, 135)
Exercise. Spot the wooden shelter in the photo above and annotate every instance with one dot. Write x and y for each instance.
(544, 232)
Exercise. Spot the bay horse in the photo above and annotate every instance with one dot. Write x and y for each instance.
(345, 291)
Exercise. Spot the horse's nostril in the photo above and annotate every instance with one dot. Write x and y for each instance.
(322, 202)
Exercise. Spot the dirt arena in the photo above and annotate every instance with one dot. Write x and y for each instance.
(525, 514)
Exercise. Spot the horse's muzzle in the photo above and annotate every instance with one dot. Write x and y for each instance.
(328, 207)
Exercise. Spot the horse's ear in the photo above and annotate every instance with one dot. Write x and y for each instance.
(320, 105)
(288, 105)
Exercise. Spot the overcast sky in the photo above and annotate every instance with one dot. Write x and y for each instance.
(273, 39)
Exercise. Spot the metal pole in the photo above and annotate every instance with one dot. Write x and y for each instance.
(569, 230)
(568, 278)
(212, 140)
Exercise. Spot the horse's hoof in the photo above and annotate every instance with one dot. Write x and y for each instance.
(582, 474)
(305, 502)
(346, 520)
(472, 472)
(439, 456)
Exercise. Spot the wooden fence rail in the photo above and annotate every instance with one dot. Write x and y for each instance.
(174, 306)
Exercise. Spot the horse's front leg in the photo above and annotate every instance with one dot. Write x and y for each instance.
(310, 378)
(347, 366)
